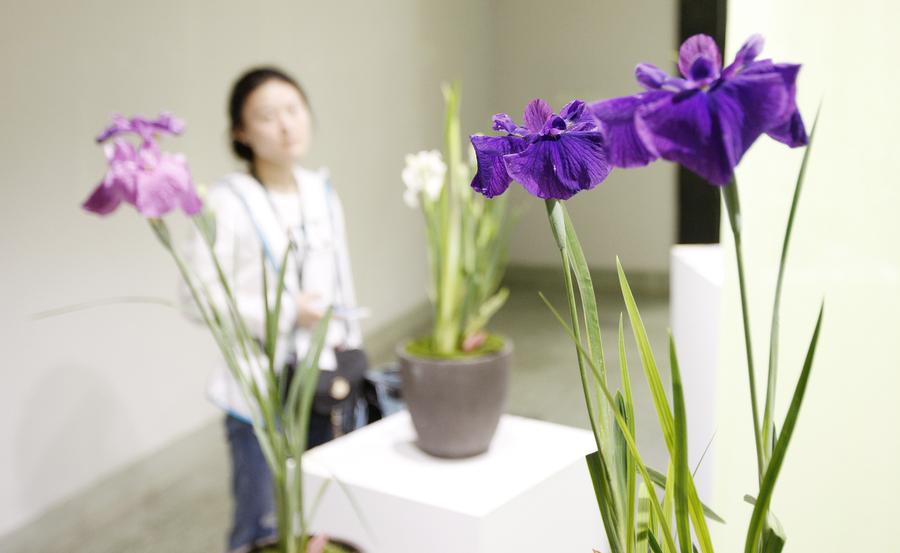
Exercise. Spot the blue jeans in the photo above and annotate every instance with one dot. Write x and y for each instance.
(254, 522)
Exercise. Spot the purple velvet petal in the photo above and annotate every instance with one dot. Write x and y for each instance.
(156, 195)
(616, 115)
(560, 167)
(178, 171)
(699, 53)
(582, 159)
(682, 128)
(536, 114)
(103, 200)
(747, 106)
(143, 127)
(502, 122)
(163, 186)
(650, 76)
(491, 179)
(119, 125)
(746, 55)
(792, 131)
(577, 113)
(168, 123)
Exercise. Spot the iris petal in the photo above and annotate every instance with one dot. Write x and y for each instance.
(696, 48)
(558, 168)
(616, 115)
(536, 114)
(491, 179)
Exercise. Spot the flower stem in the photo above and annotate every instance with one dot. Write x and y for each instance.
(732, 204)
(557, 225)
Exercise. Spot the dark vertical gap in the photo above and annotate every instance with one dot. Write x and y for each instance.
(698, 201)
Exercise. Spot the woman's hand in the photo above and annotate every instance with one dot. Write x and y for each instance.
(309, 309)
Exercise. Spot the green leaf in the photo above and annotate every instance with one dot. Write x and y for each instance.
(660, 480)
(654, 545)
(773, 537)
(556, 216)
(648, 362)
(768, 411)
(631, 476)
(668, 506)
(663, 411)
(623, 426)
(703, 455)
(680, 470)
(303, 386)
(644, 517)
(599, 472)
(591, 315)
(487, 310)
(758, 518)
(273, 314)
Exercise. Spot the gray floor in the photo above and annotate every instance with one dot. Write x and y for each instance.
(178, 501)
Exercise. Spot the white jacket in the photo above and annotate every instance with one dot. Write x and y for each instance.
(244, 215)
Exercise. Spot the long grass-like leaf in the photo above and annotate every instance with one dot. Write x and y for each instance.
(623, 426)
(644, 517)
(668, 506)
(630, 474)
(303, 386)
(680, 465)
(591, 315)
(556, 217)
(600, 478)
(660, 480)
(648, 362)
(758, 518)
(772, 379)
(663, 411)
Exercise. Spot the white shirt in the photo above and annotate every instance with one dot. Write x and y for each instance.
(253, 225)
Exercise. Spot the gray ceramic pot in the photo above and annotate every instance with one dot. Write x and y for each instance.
(455, 405)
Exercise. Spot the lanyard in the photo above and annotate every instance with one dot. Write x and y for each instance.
(298, 253)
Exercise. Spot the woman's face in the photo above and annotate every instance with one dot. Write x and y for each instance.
(276, 123)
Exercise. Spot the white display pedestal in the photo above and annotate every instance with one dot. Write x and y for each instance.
(696, 296)
(531, 492)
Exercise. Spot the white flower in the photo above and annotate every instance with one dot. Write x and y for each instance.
(424, 174)
(411, 197)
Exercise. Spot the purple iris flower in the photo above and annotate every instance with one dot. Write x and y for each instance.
(143, 127)
(708, 118)
(153, 181)
(552, 156)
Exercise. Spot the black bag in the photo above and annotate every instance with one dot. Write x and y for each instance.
(344, 396)
(342, 385)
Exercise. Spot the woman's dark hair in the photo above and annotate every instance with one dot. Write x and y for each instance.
(243, 87)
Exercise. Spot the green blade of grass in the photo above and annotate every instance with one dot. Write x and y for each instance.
(680, 470)
(768, 410)
(758, 518)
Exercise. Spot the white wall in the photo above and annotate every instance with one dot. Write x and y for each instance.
(86, 393)
(588, 49)
(837, 491)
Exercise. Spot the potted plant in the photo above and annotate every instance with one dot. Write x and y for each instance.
(455, 379)
(156, 183)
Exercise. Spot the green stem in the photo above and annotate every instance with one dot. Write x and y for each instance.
(557, 225)
(447, 324)
(732, 204)
(265, 430)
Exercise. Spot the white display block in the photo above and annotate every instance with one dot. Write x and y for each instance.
(696, 295)
(530, 492)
